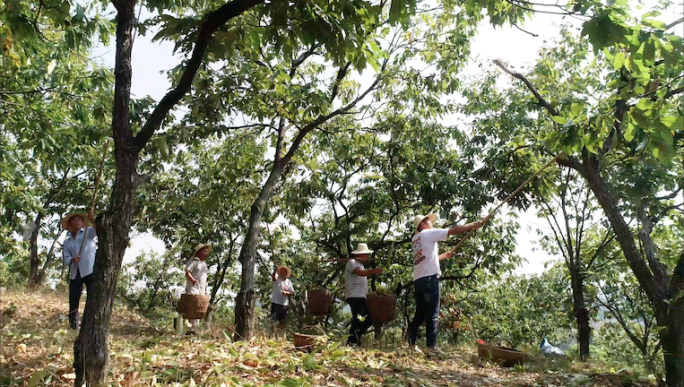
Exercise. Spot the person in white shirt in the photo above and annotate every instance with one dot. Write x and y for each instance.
(196, 271)
(80, 257)
(282, 288)
(426, 275)
(355, 291)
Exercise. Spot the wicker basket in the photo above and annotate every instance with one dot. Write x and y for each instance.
(302, 341)
(508, 357)
(383, 307)
(193, 306)
(320, 301)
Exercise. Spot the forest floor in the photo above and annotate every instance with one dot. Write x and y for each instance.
(36, 350)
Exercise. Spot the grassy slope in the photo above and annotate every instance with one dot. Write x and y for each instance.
(37, 350)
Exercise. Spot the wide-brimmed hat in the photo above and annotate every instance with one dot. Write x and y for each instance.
(419, 218)
(200, 246)
(289, 272)
(362, 248)
(67, 225)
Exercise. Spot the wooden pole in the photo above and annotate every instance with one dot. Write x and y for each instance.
(340, 259)
(97, 184)
(495, 210)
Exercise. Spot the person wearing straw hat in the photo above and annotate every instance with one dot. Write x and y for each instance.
(426, 274)
(282, 288)
(196, 271)
(355, 291)
(79, 250)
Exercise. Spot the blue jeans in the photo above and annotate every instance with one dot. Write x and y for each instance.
(359, 308)
(427, 309)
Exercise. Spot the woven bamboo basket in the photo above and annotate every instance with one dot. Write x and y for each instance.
(383, 307)
(320, 301)
(193, 306)
(508, 357)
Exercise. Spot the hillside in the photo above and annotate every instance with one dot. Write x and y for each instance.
(37, 350)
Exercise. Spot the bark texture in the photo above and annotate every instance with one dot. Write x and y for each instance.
(666, 298)
(90, 348)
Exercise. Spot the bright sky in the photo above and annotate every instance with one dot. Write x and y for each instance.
(518, 48)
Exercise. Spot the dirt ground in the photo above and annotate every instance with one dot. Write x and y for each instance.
(37, 351)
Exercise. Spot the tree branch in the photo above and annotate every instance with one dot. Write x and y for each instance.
(540, 99)
(212, 22)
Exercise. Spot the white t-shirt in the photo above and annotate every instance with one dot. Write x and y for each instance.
(277, 296)
(355, 286)
(199, 271)
(425, 257)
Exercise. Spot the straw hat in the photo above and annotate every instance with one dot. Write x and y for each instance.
(362, 248)
(200, 246)
(65, 222)
(420, 218)
(289, 272)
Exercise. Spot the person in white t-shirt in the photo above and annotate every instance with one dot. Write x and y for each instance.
(196, 271)
(355, 291)
(282, 288)
(426, 274)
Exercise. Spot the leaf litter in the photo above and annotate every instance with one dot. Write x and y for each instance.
(37, 351)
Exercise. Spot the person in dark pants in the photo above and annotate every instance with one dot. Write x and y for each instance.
(282, 289)
(426, 274)
(355, 291)
(80, 262)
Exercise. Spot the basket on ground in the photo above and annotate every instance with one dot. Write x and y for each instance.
(383, 307)
(508, 357)
(193, 306)
(302, 341)
(320, 301)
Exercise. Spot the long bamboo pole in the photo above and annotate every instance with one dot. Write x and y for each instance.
(495, 210)
(92, 202)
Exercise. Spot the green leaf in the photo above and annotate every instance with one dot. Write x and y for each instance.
(576, 108)
(36, 377)
(559, 119)
(619, 60)
(672, 121)
(645, 104)
(309, 363)
(289, 382)
(396, 9)
(630, 131)
(655, 24)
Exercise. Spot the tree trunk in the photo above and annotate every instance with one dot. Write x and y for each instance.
(42, 274)
(378, 331)
(668, 318)
(34, 260)
(672, 338)
(91, 347)
(245, 300)
(581, 313)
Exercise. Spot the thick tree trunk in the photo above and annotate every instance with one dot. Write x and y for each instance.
(91, 352)
(581, 313)
(660, 294)
(245, 300)
(672, 338)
